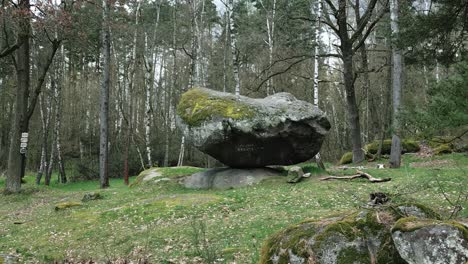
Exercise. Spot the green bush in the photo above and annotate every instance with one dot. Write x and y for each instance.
(346, 158)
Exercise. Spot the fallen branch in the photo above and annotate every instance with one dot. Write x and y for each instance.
(360, 174)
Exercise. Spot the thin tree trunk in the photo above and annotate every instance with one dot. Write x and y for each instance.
(318, 13)
(364, 68)
(45, 120)
(395, 154)
(104, 104)
(58, 114)
(225, 52)
(235, 53)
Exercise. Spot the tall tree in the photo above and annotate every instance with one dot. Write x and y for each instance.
(104, 104)
(349, 44)
(395, 154)
(318, 13)
(24, 107)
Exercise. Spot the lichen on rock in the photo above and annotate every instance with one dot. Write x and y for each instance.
(434, 241)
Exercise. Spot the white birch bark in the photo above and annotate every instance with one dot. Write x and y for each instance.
(235, 53)
(395, 155)
(318, 13)
(270, 23)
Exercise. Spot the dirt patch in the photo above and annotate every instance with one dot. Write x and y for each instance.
(432, 163)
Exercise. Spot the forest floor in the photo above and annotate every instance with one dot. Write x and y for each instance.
(167, 223)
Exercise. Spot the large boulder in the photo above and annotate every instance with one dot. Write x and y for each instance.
(243, 132)
(424, 241)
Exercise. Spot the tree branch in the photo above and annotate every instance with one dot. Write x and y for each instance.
(40, 81)
(370, 28)
(364, 20)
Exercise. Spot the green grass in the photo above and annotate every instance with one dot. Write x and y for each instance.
(163, 220)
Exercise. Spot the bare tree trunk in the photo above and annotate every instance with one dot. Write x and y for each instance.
(364, 68)
(58, 114)
(15, 158)
(395, 154)
(104, 105)
(45, 120)
(270, 23)
(182, 151)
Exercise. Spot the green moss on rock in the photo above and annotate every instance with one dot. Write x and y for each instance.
(409, 224)
(443, 149)
(197, 106)
(342, 240)
(346, 158)
(407, 146)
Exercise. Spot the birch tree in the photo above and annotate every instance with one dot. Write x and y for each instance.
(318, 13)
(395, 154)
(234, 48)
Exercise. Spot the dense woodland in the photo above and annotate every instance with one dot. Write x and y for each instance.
(378, 68)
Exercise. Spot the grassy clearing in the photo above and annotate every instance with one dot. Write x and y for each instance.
(169, 224)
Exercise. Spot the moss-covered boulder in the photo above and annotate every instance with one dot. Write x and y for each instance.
(361, 237)
(346, 158)
(243, 132)
(433, 241)
(443, 149)
(407, 146)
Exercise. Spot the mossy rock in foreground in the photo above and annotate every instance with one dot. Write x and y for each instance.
(357, 238)
(431, 241)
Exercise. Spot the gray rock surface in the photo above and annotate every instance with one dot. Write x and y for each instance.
(295, 174)
(431, 242)
(223, 178)
(245, 133)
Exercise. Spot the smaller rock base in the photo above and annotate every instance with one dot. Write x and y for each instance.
(224, 178)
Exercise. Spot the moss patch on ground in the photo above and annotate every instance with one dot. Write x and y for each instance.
(196, 106)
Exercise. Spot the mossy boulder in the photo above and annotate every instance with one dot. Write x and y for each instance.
(346, 158)
(407, 146)
(66, 205)
(431, 241)
(360, 237)
(443, 149)
(242, 132)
